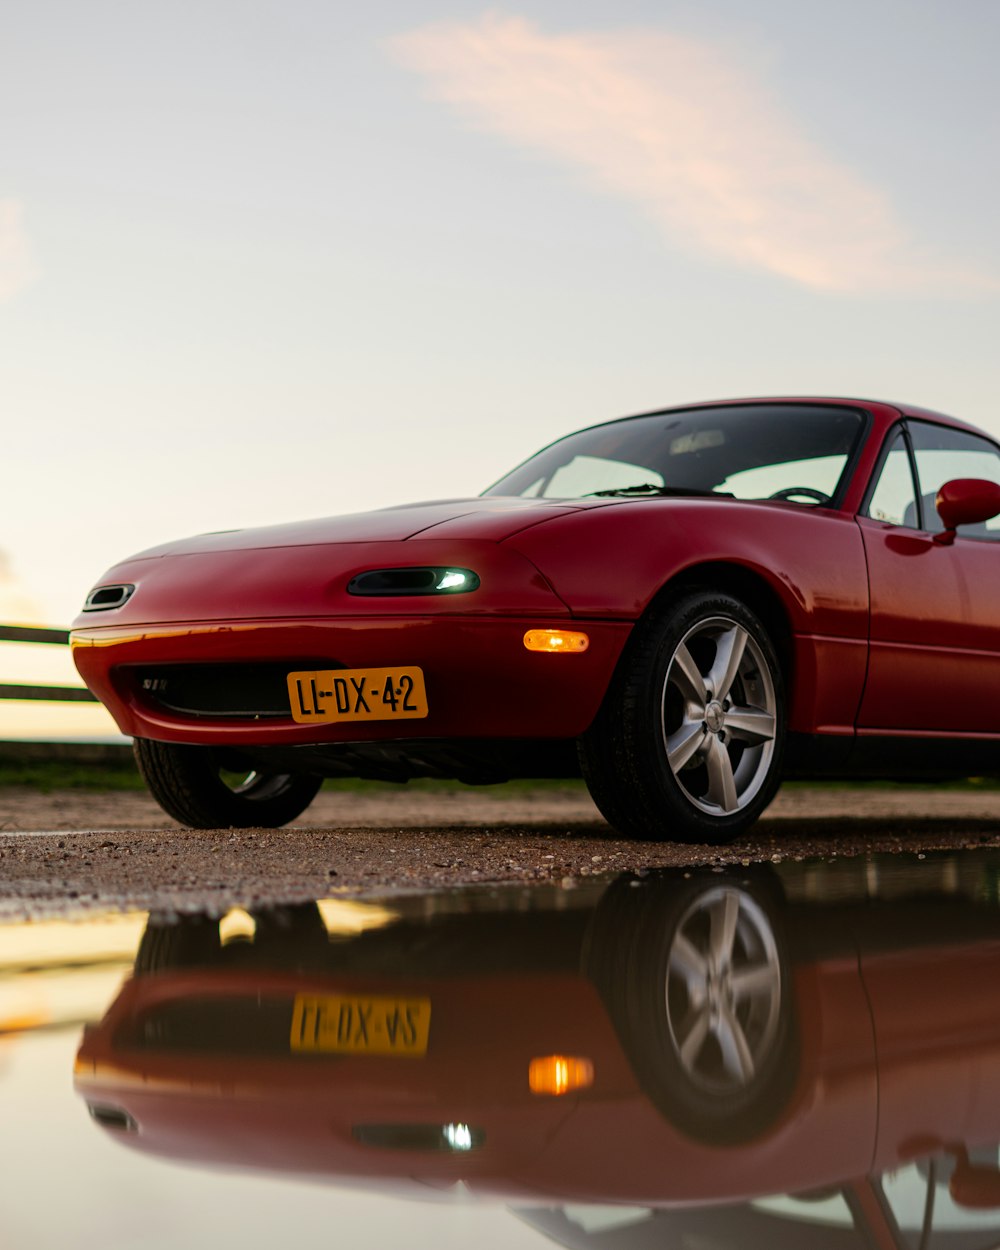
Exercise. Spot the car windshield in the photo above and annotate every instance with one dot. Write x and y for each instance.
(749, 451)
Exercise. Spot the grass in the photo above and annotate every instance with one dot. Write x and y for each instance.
(60, 775)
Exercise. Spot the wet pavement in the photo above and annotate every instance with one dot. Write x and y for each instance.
(795, 1053)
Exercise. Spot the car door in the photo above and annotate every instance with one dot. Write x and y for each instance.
(934, 662)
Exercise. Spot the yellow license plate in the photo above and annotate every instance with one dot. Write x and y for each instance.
(346, 1024)
(357, 694)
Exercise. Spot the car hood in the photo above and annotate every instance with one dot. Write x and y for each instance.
(494, 518)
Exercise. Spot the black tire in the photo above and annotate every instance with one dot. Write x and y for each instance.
(292, 935)
(189, 783)
(724, 723)
(187, 942)
(650, 952)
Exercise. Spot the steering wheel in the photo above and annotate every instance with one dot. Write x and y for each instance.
(817, 496)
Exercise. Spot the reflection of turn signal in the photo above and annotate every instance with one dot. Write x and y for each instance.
(559, 1074)
(556, 640)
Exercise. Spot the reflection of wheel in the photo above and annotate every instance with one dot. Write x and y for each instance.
(188, 942)
(689, 740)
(289, 936)
(804, 492)
(192, 785)
(695, 973)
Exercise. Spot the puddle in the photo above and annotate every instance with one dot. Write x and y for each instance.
(799, 1054)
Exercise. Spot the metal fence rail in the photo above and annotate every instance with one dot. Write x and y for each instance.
(58, 694)
(33, 633)
(82, 753)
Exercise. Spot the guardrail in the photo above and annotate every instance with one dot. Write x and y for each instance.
(72, 752)
(58, 694)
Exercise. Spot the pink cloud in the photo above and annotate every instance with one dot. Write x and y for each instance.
(683, 131)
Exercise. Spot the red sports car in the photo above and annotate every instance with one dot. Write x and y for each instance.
(684, 605)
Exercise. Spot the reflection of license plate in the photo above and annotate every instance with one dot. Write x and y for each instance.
(357, 694)
(351, 1025)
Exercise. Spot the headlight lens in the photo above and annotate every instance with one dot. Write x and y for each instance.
(422, 580)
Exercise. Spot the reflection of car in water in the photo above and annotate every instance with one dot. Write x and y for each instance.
(670, 1042)
(908, 1209)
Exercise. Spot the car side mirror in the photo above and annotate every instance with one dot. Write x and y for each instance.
(965, 501)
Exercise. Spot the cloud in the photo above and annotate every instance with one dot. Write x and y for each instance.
(17, 264)
(17, 605)
(685, 132)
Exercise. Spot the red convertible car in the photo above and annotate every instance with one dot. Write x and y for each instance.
(685, 605)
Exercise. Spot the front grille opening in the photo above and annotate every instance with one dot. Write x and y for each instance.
(212, 1026)
(240, 691)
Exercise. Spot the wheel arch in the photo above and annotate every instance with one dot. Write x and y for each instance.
(752, 588)
(629, 777)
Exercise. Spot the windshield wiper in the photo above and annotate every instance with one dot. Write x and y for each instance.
(654, 488)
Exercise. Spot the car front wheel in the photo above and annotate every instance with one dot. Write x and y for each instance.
(688, 743)
(193, 785)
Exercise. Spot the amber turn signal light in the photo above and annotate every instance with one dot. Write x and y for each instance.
(556, 640)
(559, 1074)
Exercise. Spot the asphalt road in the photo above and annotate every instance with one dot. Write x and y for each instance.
(74, 852)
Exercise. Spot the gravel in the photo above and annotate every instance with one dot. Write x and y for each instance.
(77, 852)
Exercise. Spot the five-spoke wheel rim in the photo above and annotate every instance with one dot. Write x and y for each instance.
(723, 991)
(718, 716)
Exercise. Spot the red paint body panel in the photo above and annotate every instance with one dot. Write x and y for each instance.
(937, 1031)
(612, 561)
(309, 583)
(829, 675)
(280, 593)
(935, 642)
(481, 680)
(485, 518)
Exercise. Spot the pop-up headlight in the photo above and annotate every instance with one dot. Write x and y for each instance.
(414, 581)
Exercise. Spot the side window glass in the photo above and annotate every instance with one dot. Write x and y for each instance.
(942, 454)
(895, 499)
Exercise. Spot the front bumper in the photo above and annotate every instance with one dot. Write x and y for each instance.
(481, 681)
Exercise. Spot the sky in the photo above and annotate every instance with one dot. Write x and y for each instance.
(268, 260)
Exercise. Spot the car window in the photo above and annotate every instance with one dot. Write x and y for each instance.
(818, 473)
(942, 454)
(895, 497)
(748, 451)
(586, 474)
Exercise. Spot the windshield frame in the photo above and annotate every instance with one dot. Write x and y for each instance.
(835, 501)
